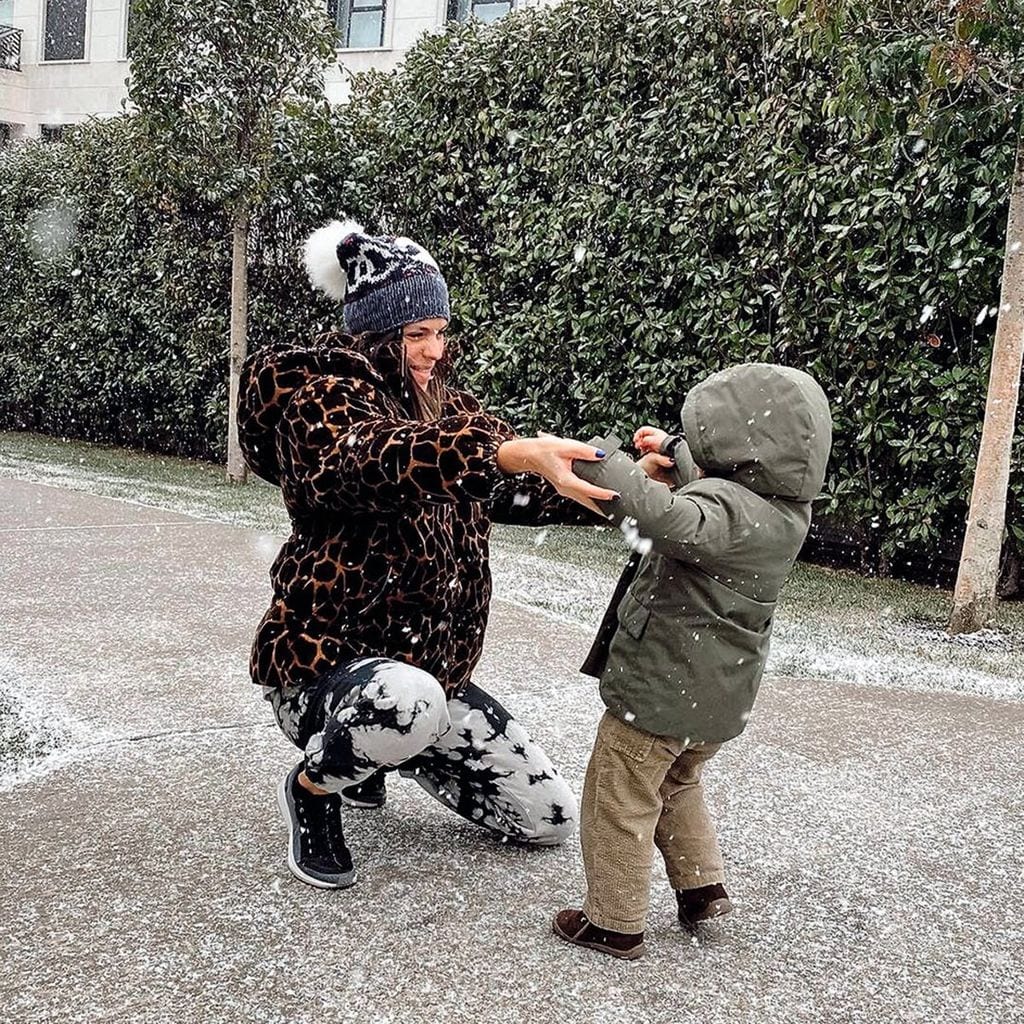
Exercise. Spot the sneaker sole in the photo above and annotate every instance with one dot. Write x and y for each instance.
(620, 954)
(342, 881)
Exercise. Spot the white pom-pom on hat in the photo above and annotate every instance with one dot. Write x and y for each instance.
(320, 256)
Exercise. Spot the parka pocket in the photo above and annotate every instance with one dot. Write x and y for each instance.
(633, 616)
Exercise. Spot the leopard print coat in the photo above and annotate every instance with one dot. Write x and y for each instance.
(390, 516)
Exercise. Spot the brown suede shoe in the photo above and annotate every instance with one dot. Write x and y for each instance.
(573, 926)
(702, 904)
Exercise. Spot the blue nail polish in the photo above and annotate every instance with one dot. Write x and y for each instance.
(600, 453)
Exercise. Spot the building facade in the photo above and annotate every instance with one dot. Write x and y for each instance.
(63, 61)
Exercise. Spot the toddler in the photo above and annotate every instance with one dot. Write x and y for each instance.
(718, 516)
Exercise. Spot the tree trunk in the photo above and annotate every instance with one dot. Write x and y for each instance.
(974, 600)
(237, 471)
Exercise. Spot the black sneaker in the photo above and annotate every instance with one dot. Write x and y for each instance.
(702, 904)
(371, 794)
(317, 853)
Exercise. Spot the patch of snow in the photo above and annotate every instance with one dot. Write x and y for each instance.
(194, 501)
(36, 736)
(890, 653)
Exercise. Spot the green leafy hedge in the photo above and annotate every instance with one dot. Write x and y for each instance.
(624, 196)
(115, 307)
(686, 192)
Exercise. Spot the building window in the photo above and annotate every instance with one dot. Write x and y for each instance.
(7, 12)
(128, 28)
(10, 48)
(360, 22)
(482, 10)
(51, 132)
(6, 134)
(65, 30)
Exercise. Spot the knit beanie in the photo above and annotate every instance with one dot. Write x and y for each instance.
(384, 282)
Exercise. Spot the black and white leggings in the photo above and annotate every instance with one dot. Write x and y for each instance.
(467, 752)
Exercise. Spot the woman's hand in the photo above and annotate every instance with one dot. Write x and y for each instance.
(649, 439)
(552, 458)
(658, 467)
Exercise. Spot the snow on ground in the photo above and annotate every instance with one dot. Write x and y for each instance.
(37, 735)
(851, 863)
(202, 495)
(872, 883)
(901, 656)
(885, 652)
(816, 635)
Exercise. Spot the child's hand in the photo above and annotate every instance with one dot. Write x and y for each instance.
(649, 439)
(658, 467)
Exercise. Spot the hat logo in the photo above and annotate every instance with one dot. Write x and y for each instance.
(383, 281)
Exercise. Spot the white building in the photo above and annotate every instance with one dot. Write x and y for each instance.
(62, 61)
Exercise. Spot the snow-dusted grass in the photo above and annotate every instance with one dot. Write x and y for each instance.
(25, 736)
(831, 624)
(192, 488)
(35, 735)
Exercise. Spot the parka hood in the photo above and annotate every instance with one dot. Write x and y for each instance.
(767, 427)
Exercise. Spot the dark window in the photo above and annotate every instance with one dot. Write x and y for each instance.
(360, 22)
(65, 30)
(482, 10)
(6, 134)
(51, 132)
(10, 48)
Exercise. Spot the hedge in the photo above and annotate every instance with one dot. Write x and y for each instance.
(681, 192)
(115, 308)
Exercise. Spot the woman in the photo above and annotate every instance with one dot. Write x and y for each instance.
(392, 480)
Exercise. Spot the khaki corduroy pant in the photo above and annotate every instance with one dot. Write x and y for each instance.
(643, 791)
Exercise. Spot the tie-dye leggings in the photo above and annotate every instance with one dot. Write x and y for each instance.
(468, 752)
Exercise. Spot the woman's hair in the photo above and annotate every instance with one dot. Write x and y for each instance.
(386, 351)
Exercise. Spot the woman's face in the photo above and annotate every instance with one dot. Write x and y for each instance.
(424, 346)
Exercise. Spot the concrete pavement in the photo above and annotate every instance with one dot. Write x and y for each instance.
(874, 837)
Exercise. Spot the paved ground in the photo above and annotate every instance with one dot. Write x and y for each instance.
(874, 837)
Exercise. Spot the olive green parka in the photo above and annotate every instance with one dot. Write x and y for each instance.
(684, 643)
